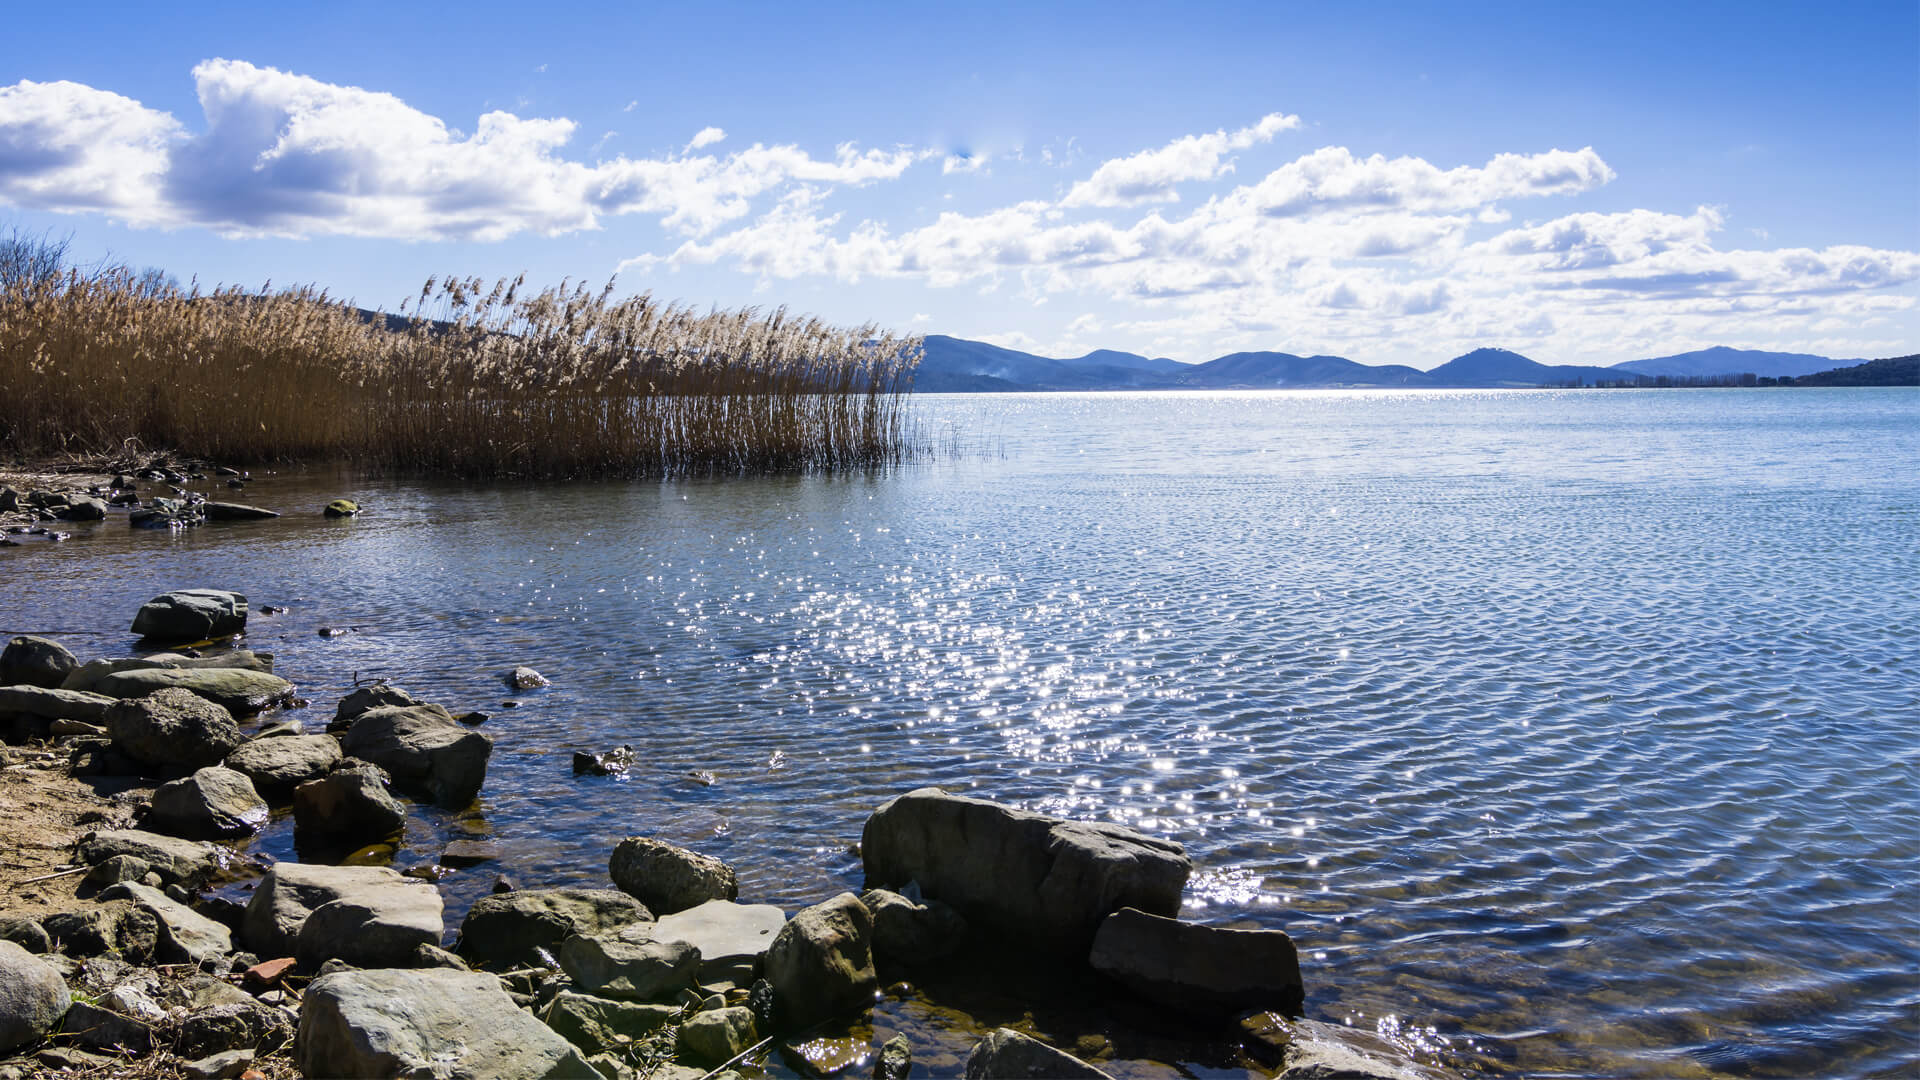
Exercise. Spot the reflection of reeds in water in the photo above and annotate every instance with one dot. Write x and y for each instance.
(478, 382)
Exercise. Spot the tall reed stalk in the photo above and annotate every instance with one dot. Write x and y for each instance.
(474, 380)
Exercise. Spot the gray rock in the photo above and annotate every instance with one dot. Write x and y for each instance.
(1199, 969)
(627, 966)
(213, 802)
(714, 1036)
(1311, 1050)
(731, 938)
(185, 935)
(344, 810)
(187, 863)
(425, 749)
(525, 678)
(245, 659)
(172, 728)
(76, 728)
(117, 928)
(224, 1066)
(87, 676)
(26, 933)
(594, 1024)
(117, 869)
(226, 511)
(191, 615)
(278, 765)
(374, 927)
(1045, 880)
(35, 661)
(896, 1060)
(290, 892)
(82, 508)
(669, 878)
(101, 1028)
(242, 691)
(449, 1025)
(33, 997)
(1008, 1055)
(507, 930)
(54, 704)
(821, 962)
(433, 956)
(912, 933)
(232, 1027)
(370, 697)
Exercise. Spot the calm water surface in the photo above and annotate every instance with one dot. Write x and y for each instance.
(1567, 733)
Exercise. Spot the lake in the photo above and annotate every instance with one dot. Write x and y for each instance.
(1568, 733)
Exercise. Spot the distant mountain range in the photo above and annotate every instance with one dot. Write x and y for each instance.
(957, 365)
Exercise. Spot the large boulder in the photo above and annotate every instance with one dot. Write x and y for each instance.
(1046, 880)
(278, 765)
(1199, 969)
(507, 930)
(731, 938)
(242, 691)
(212, 802)
(33, 997)
(1008, 1055)
(35, 661)
(290, 892)
(345, 810)
(376, 927)
(821, 962)
(82, 508)
(366, 698)
(595, 1024)
(627, 965)
(669, 878)
(449, 1025)
(54, 704)
(185, 935)
(191, 615)
(425, 749)
(172, 729)
(910, 932)
(187, 863)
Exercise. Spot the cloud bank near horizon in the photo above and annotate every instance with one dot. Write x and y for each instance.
(1164, 248)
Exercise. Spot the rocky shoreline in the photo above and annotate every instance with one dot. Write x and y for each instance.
(116, 953)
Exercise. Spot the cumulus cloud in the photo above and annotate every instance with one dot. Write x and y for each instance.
(285, 154)
(1153, 175)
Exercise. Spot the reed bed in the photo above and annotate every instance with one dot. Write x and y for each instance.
(468, 380)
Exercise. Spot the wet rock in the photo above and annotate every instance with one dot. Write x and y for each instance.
(82, 508)
(668, 878)
(373, 927)
(188, 863)
(425, 749)
(732, 938)
(594, 1024)
(452, 1025)
(172, 728)
(54, 704)
(340, 508)
(241, 691)
(278, 765)
(627, 966)
(603, 763)
(1045, 880)
(1311, 1050)
(232, 1027)
(173, 514)
(525, 678)
(1008, 1055)
(33, 997)
(344, 810)
(191, 615)
(913, 933)
(185, 936)
(830, 1055)
(213, 802)
(227, 511)
(460, 854)
(715, 1036)
(366, 698)
(35, 661)
(896, 1060)
(103, 1029)
(821, 962)
(26, 933)
(1199, 969)
(215, 658)
(290, 892)
(118, 928)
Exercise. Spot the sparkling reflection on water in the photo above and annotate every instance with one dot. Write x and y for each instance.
(1571, 732)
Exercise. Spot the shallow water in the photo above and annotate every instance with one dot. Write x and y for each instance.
(1567, 733)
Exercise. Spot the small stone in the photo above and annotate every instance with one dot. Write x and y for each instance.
(341, 508)
(525, 678)
(219, 1066)
(604, 763)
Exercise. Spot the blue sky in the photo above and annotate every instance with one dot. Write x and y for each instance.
(1396, 184)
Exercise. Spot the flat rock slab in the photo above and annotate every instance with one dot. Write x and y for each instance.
(241, 691)
(626, 966)
(226, 511)
(1311, 1050)
(54, 704)
(507, 930)
(290, 892)
(188, 863)
(449, 1025)
(1008, 1055)
(731, 937)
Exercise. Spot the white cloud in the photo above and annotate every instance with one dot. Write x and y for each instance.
(68, 146)
(1152, 175)
(706, 136)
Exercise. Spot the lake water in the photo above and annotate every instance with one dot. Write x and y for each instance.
(1567, 733)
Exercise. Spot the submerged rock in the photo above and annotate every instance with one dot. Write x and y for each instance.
(1008, 1055)
(191, 615)
(603, 763)
(35, 661)
(340, 508)
(1311, 1050)
(1199, 969)
(226, 511)
(668, 878)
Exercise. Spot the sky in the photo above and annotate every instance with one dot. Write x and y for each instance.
(1393, 183)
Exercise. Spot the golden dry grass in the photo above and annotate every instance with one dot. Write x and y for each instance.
(477, 380)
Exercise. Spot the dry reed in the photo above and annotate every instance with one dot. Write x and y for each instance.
(475, 381)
